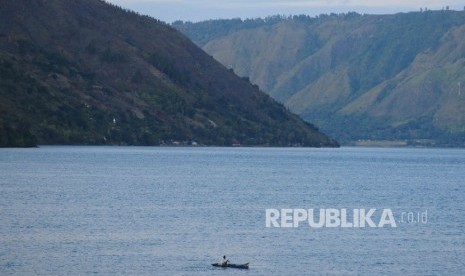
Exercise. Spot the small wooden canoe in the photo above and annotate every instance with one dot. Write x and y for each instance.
(242, 266)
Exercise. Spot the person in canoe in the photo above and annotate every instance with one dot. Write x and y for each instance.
(224, 262)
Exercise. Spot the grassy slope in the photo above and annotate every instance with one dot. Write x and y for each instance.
(358, 77)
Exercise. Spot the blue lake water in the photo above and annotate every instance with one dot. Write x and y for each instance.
(174, 211)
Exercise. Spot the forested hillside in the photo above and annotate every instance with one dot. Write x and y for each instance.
(87, 72)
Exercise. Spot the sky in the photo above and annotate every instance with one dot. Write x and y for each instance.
(199, 10)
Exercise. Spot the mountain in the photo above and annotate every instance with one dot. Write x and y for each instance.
(88, 72)
(399, 78)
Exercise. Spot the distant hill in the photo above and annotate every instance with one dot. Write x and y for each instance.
(358, 77)
(87, 72)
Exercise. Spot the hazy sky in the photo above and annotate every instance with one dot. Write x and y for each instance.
(197, 10)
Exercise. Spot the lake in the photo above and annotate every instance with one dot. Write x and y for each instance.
(174, 211)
